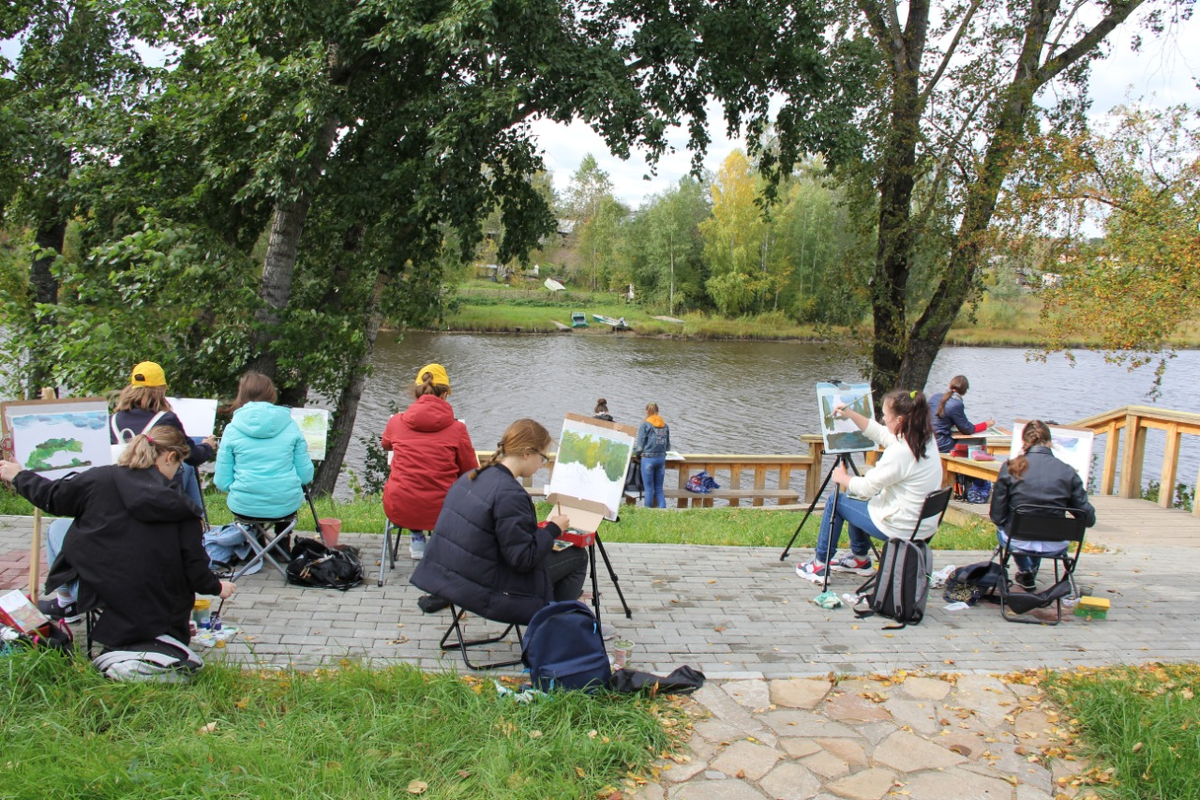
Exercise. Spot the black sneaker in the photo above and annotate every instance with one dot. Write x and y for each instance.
(1026, 580)
(53, 610)
(431, 603)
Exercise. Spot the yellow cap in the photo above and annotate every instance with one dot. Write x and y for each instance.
(440, 378)
(148, 373)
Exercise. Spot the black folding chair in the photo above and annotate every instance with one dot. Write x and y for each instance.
(462, 645)
(1041, 524)
(935, 505)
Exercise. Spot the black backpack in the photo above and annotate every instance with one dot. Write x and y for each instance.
(564, 649)
(902, 585)
(314, 564)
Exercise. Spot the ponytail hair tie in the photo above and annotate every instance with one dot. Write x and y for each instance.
(912, 395)
(149, 438)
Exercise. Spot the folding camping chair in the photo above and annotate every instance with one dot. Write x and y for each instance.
(935, 505)
(254, 528)
(1041, 524)
(456, 627)
(391, 546)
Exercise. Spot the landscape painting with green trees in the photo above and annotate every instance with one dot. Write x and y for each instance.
(591, 463)
(64, 438)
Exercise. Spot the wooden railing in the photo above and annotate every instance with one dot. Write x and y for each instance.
(1126, 446)
(753, 479)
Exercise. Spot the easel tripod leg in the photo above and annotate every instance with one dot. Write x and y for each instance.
(816, 498)
(611, 574)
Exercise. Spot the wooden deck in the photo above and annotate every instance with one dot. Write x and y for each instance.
(1121, 522)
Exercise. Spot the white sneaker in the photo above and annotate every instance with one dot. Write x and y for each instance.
(416, 548)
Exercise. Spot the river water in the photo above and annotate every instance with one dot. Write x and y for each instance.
(744, 397)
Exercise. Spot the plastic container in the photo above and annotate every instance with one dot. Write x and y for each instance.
(622, 649)
(331, 529)
(201, 610)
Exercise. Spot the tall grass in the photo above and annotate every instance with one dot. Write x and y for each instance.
(353, 732)
(1139, 726)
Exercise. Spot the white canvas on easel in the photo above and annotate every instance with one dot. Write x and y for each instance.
(593, 458)
(54, 438)
(198, 415)
(1070, 445)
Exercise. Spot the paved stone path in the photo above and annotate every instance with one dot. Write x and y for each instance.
(770, 723)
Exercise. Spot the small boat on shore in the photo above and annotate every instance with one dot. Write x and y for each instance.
(617, 324)
(579, 320)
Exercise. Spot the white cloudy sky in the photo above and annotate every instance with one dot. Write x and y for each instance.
(1165, 72)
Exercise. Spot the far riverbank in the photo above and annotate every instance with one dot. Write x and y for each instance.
(493, 308)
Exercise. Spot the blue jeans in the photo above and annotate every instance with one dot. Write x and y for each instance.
(190, 483)
(654, 469)
(1024, 558)
(853, 512)
(54, 542)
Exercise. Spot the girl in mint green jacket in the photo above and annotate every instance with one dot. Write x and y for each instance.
(263, 459)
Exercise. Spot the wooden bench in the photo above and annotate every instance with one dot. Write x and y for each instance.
(734, 496)
(756, 480)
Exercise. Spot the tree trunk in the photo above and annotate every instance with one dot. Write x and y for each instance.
(894, 247)
(49, 238)
(347, 407)
(929, 332)
(895, 244)
(279, 264)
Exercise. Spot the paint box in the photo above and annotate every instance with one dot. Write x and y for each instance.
(1092, 607)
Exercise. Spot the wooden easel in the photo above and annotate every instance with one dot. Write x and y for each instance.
(35, 545)
(586, 515)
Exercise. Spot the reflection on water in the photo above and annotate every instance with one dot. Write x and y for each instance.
(724, 397)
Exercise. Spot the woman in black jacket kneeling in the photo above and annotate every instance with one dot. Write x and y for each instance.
(488, 554)
(135, 543)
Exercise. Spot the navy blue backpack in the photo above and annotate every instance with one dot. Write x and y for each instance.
(564, 649)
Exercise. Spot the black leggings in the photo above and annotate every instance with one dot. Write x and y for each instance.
(568, 570)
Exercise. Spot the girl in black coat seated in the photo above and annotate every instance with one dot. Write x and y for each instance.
(1036, 478)
(488, 554)
(135, 543)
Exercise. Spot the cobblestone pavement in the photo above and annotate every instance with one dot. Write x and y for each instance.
(769, 722)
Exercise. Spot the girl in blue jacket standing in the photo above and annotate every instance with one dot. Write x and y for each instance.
(652, 443)
(263, 460)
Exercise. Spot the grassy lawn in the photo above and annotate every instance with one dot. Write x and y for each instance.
(352, 732)
(1139, 727)
(716, 526)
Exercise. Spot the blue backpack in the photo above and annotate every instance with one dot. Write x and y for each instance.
(564, 649)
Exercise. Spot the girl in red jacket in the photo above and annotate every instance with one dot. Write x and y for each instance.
(429, 449)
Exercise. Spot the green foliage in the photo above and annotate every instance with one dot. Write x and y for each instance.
(1185, 496)
(350, 731)
(1138, 727)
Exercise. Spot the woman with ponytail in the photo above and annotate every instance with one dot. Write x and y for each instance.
(949, 414)
(134, 545)
(1036, 478)
(887, 500)
(489, 554)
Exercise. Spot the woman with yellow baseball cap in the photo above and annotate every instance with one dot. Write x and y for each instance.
(143, 404)
(430, 449)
